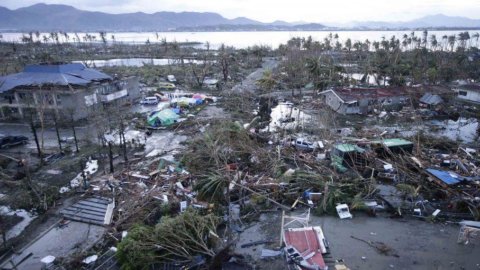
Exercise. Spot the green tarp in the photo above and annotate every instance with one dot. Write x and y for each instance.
(162, 118)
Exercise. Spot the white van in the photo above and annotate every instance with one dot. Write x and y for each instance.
(171, 78)
(149, 101)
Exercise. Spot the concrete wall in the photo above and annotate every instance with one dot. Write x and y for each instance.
(472, 95)
(364, 106)
(133, 87)
(335, 103)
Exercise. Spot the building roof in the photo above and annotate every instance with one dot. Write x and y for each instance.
(94, 210)
(431, 99)
(354, 94)
(471, 87)
(394, 142)
(52, 74)
(307, 241)
(345, 147)
(449, 178)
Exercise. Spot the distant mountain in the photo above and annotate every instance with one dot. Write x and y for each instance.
(431, 21)
(43, 17)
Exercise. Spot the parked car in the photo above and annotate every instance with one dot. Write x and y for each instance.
(304, 144)
(166, 86)
(9, 141)
(149, 101)
(171, 78)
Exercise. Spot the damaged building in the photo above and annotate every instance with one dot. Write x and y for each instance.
(468, 92)
(364, 100)
(63, 89)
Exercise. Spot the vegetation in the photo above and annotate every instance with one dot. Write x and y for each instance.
(178, 239)
(409, 59)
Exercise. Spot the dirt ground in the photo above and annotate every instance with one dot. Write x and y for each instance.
(418, 244)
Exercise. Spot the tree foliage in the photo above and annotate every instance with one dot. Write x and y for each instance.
(176, 239)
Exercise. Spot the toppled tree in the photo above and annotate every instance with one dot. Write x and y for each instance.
(178, 239)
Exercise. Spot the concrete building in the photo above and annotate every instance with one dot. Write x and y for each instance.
(468, 92)
(62, 89)
(364, 100)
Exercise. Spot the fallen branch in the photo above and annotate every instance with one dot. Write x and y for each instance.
(381, 247)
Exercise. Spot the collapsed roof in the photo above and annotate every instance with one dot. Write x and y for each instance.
(355, 94)
(52, 74)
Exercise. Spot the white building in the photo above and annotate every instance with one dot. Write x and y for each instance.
(468, 92)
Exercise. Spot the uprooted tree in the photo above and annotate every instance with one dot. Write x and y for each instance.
(178, 239)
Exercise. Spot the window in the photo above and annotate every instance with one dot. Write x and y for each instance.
(462, 93)
(59, 99)
(48, 99)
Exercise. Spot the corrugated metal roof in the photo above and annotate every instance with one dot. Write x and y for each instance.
(431, 99)
(449, 178)
(393, 142)
(345, 147)
(61, 74)
(355, 94)
(93, 210)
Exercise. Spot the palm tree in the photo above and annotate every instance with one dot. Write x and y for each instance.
(476, 36)
(463, 37)
(267, 82)
(433, 42)
(367, 45)
(451, 41)
(424, 39)
(348, 44)
(445, 42)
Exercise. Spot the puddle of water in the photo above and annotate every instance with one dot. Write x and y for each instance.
(16, 230)
(465, 129)
(137, 62)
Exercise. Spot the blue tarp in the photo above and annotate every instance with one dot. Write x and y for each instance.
(62, 74)
(449, 178)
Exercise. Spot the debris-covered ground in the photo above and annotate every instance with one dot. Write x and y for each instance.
(246, 178)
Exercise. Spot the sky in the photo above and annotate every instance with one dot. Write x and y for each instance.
(322, 11)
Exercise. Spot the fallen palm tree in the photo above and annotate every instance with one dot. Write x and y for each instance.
(174, 239)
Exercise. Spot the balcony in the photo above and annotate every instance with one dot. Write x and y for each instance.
(113, 96)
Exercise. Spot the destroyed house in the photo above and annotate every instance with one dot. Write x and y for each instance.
(364, 100)
(430, 100)
(347, 155)
(394, 146)
(468, 92)
(63, 89)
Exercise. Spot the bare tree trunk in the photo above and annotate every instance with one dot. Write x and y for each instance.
(35, 137)
(110, 156)
(84, 177)
(122, 138)
(75, 137)
(55, 121)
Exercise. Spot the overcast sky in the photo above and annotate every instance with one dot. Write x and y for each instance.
(288, 10)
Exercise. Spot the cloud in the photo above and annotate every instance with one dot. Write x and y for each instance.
(270, 10)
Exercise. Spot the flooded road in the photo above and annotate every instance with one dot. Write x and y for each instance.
(419, 245)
